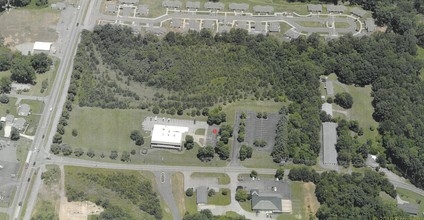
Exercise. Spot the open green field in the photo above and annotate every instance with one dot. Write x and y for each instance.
(190, 203)
(412, 198)
(341, 24)
(8, 108)
(260, 159)
(178, 191)
(219, 199)
(304, 201)
(223, 178)
(94, 191)
(4, 216)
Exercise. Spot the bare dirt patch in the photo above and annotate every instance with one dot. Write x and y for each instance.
(310, 200)
(26, 25)
(78, 210)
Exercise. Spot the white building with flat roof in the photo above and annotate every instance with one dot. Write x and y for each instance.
(170, 137)
(41, 47)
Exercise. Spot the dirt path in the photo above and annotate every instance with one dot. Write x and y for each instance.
(310, 200)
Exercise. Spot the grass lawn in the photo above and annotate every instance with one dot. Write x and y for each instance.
(311, 24)
(247, 205)
(412, 198)
(219, 199)
(94, 191)
(200, 131)
(178, 191)
(260, 159)
(341, 24)
(223, 178)
(304, 202)
(4, 216)
(9, 108)
(387, 198)
(190, 203)
(248, 105)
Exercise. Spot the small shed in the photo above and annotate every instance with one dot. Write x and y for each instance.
(202, 195)
(24, 110)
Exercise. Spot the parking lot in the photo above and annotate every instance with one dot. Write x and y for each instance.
(261, 129)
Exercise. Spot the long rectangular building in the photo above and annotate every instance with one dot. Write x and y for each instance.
(170, 137)
(329, 139)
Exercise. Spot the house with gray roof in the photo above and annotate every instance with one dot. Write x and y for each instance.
(238, 6)
(171, 4)
(263, 9)
(127, 11)
(156, 30)
(329, 140)
(111, 8)
(291, 34)
(208, 24)
(358, 12)
(274, 27)
(193, 25)
(214, 5)
(19, 124)
(336, 8)
(266, 202)
(259, 27)
(9, 119)
(192, 5)
(143, 10)
(176, 23)
(314, 8)
(128, 1)
(411, 209)
(24, 110)
(370, 25)
(202, 195)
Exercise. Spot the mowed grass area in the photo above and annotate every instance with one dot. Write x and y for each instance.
(4, 216)
(304, 202)
(341, 24)
(190, 203)
(94, 191)
(246, 205)
(219, 198)
(223, 178)
(260, 159)
(412, 198)
(178, 191)
(8, 108)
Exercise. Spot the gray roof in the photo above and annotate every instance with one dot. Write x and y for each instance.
(336, 8)
(329, 139)
(171, 4)
(202, 195)
(19, 123)
(128, 1)
(10, 118)
(143, 10)
(267, 201)
(156, 30)
(292, 34)
(370, 25)
(358, 11)
(193, 5)
(262, 9)
(111, 8)
(208, 24)
(314, 8)
(327, 108)
(238, 6)
(176, 23)
(409, 208)
(24, 109)
(241, 24)
(329, 88)
(274, 27)
(259, 27)
(193, 25)
(214, 5)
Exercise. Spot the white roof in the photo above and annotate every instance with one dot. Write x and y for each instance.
(168, 134)
(42, 46)
(328, 108)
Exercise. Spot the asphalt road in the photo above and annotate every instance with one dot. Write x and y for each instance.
(50, 114)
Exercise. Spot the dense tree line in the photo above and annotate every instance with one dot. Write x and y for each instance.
(355, 196)
(348, 148)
